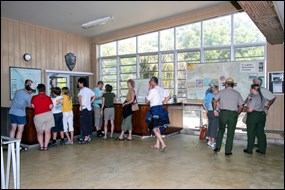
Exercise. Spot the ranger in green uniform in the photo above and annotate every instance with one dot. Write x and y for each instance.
(231, 104)
(256, 119)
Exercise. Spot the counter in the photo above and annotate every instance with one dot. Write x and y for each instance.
(30, 134)
(140, 127)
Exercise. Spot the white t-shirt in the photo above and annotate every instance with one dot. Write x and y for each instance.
(86, 94)
(157, 95)
(57, 106)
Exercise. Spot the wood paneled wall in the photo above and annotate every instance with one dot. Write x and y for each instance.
(275, 58)
(47, 47)
(275, 62)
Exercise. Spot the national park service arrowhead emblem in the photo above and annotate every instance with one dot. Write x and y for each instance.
(70, 60)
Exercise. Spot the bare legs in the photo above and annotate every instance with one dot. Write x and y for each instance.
(106, 128)
(42, 142)
(159, 141)
(19, 129)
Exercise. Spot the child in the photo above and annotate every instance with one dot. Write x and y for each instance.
(57, 114)
(213, 121)
(67, 115)
(108, 108)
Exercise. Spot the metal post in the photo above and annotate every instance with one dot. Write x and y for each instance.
(15, 157)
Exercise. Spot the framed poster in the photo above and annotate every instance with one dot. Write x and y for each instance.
(18, 75)
(276, 82)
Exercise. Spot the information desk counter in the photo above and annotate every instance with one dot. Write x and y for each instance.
(140, 126)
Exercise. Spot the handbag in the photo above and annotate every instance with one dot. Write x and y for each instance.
(244, 118)
(135, 106)
(203, 132)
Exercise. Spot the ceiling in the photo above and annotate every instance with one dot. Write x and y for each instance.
(68, 16)
(268, 16)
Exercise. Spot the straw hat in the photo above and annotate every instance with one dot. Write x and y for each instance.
(229, 81)
(214, 83)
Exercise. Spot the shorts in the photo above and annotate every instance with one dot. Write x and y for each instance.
(58, 123)
(43, 121)
(109, 114)
(98, 117)
(19, 120)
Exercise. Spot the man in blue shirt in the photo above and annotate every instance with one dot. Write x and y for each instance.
(17, 112)
(97, 105)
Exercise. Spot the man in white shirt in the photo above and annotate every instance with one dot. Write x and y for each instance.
(157, 116)
(85, 97)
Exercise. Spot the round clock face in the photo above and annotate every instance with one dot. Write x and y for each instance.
(27, 57)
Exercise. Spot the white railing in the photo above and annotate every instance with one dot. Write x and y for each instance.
(15, 157)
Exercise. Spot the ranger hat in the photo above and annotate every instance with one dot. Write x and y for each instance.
(229, 81)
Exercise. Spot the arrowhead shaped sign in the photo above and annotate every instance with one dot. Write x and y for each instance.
(70, 60)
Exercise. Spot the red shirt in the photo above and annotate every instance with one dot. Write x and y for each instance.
(41, 103)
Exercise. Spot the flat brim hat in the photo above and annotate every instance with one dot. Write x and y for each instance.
(229, 81)
(214, 83)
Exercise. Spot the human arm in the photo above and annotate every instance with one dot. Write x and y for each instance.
(80, 102)
(204, 106)
(166, 99)
(103, 104)
(93, 98)
(214, 104)
(131, 100)
(51, 106)
(271, 102)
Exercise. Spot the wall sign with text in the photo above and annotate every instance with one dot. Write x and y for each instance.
(276, 82)
(18, 76)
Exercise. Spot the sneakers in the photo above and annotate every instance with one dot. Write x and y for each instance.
(62, 142)
(52, 144)
(80, 139)
(83, 142)
(68, 142)
(211, 144)
(100, 134)
(23, 148)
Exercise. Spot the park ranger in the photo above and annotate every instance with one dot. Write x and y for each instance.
(256, 119)
(231, 104)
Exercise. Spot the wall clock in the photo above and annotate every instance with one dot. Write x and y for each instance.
(27, 57)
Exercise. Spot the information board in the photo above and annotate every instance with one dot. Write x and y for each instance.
(199, 76)
(18, 76)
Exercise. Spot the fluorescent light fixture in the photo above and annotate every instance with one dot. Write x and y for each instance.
(97, 22)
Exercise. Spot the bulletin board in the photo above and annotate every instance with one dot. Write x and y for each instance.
(199, 76)
(18, 76)
(142, 88)
(276, 82)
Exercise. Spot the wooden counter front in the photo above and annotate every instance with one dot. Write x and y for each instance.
(140, 127)
(30, 134)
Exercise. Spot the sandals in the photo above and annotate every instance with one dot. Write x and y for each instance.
(154, 147)
(43, 148)
(118, 139)
(129, 139)
(162, 149)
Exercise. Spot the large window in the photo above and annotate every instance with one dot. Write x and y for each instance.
(148, 66)
(167, 72)
(167, 53)
(109, 72)
(128, 69)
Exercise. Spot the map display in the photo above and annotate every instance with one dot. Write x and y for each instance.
(142, 88)
(199, 77)
(18, 77)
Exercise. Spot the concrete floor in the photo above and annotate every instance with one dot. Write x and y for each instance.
(187, 163)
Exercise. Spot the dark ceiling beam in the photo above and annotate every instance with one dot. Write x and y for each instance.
(264, 15)
(237, 6)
